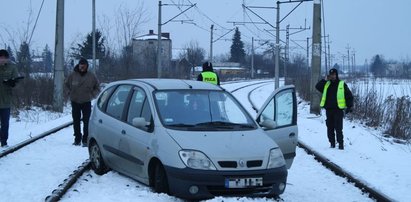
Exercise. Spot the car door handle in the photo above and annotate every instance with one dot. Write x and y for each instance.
(292, 135)
(123, 132)
(100, 121)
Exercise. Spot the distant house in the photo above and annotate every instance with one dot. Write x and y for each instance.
(145, 51)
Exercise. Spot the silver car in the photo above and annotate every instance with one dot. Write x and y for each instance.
(192, 139)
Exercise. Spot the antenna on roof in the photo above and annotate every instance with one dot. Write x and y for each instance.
(187, 84)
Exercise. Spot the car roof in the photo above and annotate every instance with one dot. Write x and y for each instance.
(172, 84)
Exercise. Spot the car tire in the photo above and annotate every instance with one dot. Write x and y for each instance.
(96, 160)
(160, 180)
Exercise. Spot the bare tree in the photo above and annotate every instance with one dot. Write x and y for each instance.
(128, 22)
(193, 53)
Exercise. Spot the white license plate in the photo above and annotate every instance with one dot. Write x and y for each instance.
(243, 182)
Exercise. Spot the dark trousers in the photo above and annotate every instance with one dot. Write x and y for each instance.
(4, 131)
(78, 110)
(335, 123)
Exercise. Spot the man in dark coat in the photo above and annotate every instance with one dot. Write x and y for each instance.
(83, 86)
(336, 99)
(208, 74)
(8, 75)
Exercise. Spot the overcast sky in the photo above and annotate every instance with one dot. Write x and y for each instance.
(367, 26)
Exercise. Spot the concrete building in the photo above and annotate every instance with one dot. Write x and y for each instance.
(145, 51)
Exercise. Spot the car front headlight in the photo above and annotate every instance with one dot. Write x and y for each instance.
(196, 160)
(276, 158)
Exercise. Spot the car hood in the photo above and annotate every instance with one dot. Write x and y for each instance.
(225, 144)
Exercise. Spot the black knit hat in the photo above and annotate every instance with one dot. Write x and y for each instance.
(333, 71)
(83, 61)
(4, 53)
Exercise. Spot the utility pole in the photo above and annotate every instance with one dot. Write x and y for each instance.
(59, 58)
(329, 52)
(252, 57)
(325, 54)
(353, 61)
(159, 42)
(308, 52)
(348, 59)
(286, 52)
(211, 44)
(277, 48)
(94, 35)
(316, 58)
(159, 37)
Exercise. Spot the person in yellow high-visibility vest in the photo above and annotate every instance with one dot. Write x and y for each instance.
(208, 74)
(336, 99)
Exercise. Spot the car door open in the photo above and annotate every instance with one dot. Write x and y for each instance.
(278, 118)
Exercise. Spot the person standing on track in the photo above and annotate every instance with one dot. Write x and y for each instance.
(82, 86)
(8, 73)
(336, 99)
(208, 75)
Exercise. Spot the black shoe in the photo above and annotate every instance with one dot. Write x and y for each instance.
(76, 143)
(332, 145)
(341, 146)
(84, 144)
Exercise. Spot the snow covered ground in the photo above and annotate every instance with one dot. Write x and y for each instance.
(33, 172)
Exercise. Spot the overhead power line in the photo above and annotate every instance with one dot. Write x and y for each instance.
(35, 24)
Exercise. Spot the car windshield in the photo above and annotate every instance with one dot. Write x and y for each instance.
(201, 110)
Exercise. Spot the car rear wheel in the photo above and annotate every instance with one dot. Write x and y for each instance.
(160, 180)
(97, 163)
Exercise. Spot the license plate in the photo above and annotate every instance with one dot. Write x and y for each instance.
(243, 182)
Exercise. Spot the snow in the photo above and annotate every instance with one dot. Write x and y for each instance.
(32, 173)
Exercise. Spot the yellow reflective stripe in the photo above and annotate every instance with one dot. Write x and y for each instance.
(340, 95)
(209, 77)
(324, 97)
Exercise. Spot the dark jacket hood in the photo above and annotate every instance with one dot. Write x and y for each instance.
(207, 67)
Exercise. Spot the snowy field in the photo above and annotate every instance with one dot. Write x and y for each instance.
(385, 87)
(33, 172)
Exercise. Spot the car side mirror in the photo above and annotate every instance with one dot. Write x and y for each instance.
(269, 124)
(140, 122)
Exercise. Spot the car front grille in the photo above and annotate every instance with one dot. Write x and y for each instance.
(234, 164)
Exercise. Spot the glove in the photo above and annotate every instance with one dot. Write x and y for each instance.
(10, 82)
(348, 110)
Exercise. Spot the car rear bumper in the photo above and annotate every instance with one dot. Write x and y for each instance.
(212, 183)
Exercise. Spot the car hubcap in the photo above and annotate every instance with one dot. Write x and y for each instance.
(95, 156)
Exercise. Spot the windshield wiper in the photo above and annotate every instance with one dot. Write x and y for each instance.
(224, 124)
(181, 125)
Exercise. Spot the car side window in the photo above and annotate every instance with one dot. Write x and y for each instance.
(146, 113)
(104, 97)
(117, 101)
(136, 105)
(268, 112)
(284, 108)
(280, 109)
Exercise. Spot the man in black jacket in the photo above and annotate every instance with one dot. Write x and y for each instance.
(337, 99)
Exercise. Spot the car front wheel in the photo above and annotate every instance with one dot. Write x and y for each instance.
(97, 163)
(160, 180)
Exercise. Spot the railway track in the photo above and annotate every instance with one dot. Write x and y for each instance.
(19, 146)
(62, 189)
(363, 186)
